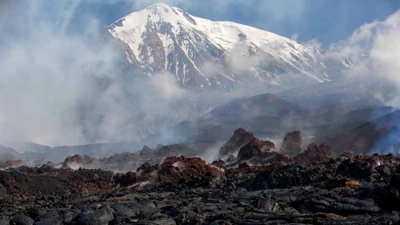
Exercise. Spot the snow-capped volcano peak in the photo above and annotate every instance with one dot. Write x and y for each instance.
(204, 53)
(156, 13)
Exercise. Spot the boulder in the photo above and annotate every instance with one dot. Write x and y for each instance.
(99, 217)
(314, 153)
(126, 179)
(254, 148)
(174, 150)
(292, 143)
(240, 138)
(146, 151)
(21, 220)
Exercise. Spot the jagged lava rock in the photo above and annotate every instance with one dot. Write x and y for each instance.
(177, 171)
(126, 179)
(12, 163)
(146, 151)
(174, 150)
(314, 153)
(292, 142)
(255, 148)
(240, 138)
(78, 160)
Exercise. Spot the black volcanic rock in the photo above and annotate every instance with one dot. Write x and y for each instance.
(146, 151)
(366, 138)
(292, 142)
(126, 179)
(314, 153)
(240, 138)
(395, 185)
(99, 217)
(255, 148)
(296, 175)
(143, 167)
(359, 169)
(22, 220)
(174, 150)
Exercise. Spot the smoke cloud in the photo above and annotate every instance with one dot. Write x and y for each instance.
(376, 51)
(62, 87)
(374, 48)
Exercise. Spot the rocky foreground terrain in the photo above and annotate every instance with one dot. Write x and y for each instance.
(255, 183)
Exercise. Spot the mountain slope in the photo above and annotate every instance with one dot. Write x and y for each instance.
(378, 135)
(204, 54)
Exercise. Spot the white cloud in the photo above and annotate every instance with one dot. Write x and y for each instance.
(167, 86)
(61, 88)
(375, 49)
(295, 36)
(239, 58)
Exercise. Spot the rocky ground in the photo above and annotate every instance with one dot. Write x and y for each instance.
(254, 184)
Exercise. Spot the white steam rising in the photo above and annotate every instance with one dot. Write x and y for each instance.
(60, 87)
(375, 49)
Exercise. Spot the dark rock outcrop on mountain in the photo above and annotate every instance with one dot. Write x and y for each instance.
(11, 163)
(9, 153)
(255, 148)
(240, 138)
(376, 135)
(174, 150)
(146, 151)
(314, 153)
(126, 179)
(79, 161)
(292, 143)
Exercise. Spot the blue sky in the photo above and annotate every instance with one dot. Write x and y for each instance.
(324, 20)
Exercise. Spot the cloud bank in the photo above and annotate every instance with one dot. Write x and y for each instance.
(376, 50)
(63, 88)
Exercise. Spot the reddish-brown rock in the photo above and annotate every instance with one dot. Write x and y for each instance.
(11, 163)
(219, 163)
(255, 148)
(177, 171)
